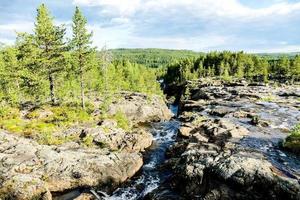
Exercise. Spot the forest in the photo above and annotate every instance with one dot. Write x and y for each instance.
(47, 69)
(80, 121)
(239, 65)
(46, 66)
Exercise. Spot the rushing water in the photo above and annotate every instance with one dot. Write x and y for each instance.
(151, 175)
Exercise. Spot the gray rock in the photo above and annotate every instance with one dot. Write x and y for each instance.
(29, 170)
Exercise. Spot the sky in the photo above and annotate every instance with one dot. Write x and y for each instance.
(200, 25)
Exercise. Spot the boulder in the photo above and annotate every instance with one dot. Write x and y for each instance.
(29, 170)
(140, 108)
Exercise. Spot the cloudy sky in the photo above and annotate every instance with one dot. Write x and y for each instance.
(201, 25)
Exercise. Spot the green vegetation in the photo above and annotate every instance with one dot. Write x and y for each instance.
(239, 65)
(269, 98)
(62, 78)
(122, 121)
(152, 57)
(292, 142)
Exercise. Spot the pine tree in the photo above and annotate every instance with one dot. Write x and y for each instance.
(49, 39)
(82, 50)
(10, 76)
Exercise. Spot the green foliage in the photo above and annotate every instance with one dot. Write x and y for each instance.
(269, 98)
(81, 50)
(292, 142)
(122, 121)
(227, 65)
(42, 122)
(152, 57)
(50, 41)
(88, 141)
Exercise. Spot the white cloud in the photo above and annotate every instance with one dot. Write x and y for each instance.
(21, 26)
(197, 8)
(121, 7)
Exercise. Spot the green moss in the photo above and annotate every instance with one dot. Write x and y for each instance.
(269, 98)
(39, 125)
(122, 121)
(88, 141)
(198, 120)
(292, 142)
(7, 112)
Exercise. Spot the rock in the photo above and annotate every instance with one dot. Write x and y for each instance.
(221, 111)
(140, 108)
(290, 94)
(239, 175)
(211, 161)
(195, 106)
(117, 139)
(29, 170)
(85, 196)
(185, 131)
(198, 138)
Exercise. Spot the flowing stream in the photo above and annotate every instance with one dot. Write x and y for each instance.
(151, 175)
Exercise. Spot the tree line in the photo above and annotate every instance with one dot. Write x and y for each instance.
(154, 58)
(46, 66)
(228, 65)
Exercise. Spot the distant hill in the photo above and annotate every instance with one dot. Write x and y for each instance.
(159, 57)
(278, 55)
(152, 57)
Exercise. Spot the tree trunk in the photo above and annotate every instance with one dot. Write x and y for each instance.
(52, 94)
(82, 91)
(81, 82)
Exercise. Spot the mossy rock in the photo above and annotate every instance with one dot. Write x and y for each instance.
(292, 142)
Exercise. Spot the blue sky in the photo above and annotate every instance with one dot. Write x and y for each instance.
(201, 25)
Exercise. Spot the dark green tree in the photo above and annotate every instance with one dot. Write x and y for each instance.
(50, 41)
(82, 50)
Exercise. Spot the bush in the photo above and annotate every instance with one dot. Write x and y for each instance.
(122, 121)
(88, 141)
(292, 142)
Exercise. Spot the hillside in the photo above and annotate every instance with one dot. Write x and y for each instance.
(152, 57)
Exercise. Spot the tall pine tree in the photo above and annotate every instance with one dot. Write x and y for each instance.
(49, 39)
(82, 50)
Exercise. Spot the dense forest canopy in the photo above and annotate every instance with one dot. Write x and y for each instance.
(152, 57)
(46, 65)
(239, 65)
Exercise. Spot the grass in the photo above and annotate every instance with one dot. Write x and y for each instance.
(269, 98)
(198, 120)
(40, 123)
(122, 121)
(292, 142)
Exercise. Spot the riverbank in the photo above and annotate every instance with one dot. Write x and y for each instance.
(228, 144)
(112, 154)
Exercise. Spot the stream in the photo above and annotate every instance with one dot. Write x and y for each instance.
(151, 176)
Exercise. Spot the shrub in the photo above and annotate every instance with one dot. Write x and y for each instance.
(292, 142)
(122, 121)
(88, 141)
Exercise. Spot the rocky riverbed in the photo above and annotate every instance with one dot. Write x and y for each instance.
(29, 170)
(228, 143)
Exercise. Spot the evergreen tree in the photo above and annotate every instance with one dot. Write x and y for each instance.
(49, 39)
(80, 44)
